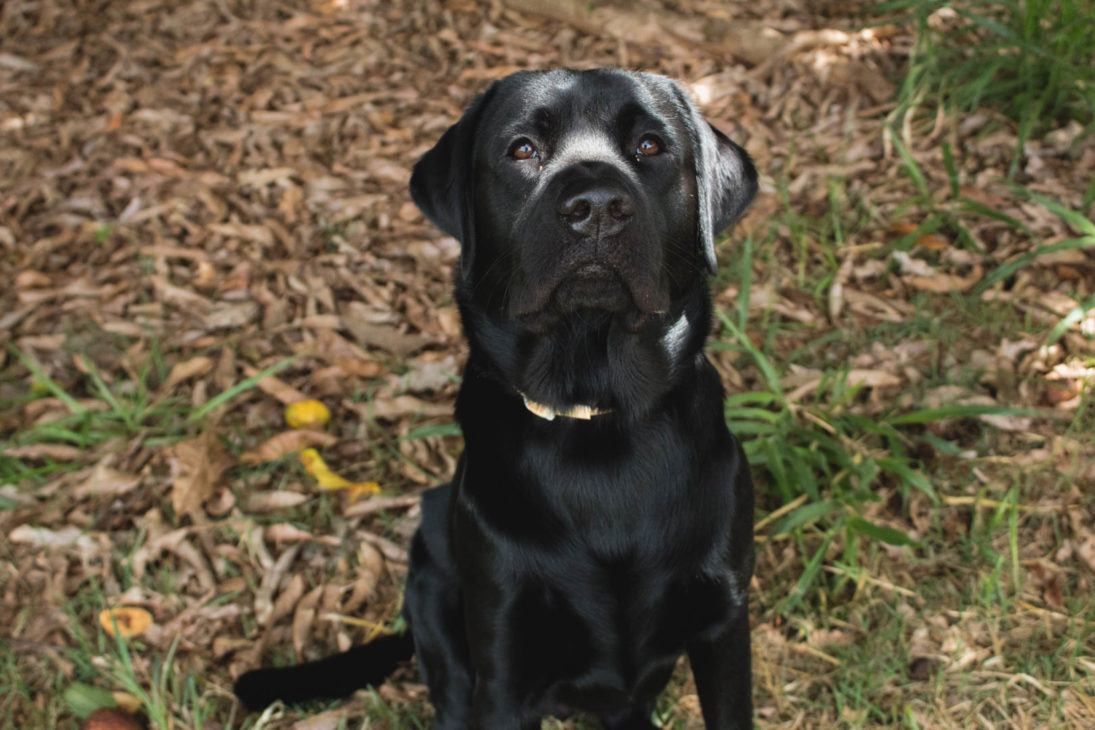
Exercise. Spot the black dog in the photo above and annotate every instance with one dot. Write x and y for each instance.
(599, 523)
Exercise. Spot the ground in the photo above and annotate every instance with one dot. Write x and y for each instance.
(204, 218)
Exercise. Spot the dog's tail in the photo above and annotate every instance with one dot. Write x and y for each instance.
(333, 677)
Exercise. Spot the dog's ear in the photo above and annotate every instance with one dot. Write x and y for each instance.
(726, 180)
(442, 183)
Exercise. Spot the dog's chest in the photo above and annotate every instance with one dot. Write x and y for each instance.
(593, 633)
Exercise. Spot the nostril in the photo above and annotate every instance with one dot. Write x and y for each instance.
(621, 208)
(576, 209)
(580, 210)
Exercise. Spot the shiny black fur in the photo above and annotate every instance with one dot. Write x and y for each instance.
(570, 563)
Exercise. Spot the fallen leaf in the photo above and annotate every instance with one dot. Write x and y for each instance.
(131, 621)
(231, 315)
(43, 537)
(284, 532)
(304, 617)
(382, 336)
(872, 378)
(273, 501)
(391, 408)
(192, 368)
(317, 467)
(932, 242)
(196, 467)
(287, 600)
(284, 443)
(330, 720)
(111, 718)
(57, 452)
(104, 481)
(941, 283)
(426, 376)
(278, 389)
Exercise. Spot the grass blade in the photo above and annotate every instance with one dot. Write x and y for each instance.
(244, 385)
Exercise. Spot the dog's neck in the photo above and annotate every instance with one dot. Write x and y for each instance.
(589, 363)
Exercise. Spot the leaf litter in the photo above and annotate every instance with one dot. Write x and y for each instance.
(192, 192)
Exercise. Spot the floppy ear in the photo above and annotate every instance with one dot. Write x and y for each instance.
(442, 183)
(726, 180)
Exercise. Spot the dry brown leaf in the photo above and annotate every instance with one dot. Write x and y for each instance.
(379, 335)
(391, 408)
(111, 718)
(284, 443)
(276, 388)
(274, 501)
(30, 279)
(62, 537)
(304, 618)
(287, 600)
(105, 481)
(941, 283)
(193, 368)
(330, 720)
(836, 290)
(196, 468)
(231, 315)
(370, 570)
(426, 375)
(271, 579)
(285, 532)
(873, 378)
(56, 452)
(932, 242)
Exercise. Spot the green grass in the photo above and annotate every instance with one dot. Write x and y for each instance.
(1029, 59)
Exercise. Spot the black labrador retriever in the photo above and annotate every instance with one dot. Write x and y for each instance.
(599, 523)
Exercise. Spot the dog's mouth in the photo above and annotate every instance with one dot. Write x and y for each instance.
(592, 287)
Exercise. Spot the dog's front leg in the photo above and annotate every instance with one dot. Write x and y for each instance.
(494, 703)
(493, 708)
(496, 698)
(720, 665)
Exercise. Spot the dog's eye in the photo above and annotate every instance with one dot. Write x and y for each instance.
(523, 150)
(648, 147)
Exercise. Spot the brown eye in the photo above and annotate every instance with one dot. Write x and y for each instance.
(648, 147)
(524, 150)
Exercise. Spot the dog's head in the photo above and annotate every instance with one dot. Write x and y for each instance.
(574, 191)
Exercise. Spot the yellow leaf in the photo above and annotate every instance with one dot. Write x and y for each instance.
(317, 467)
(362, 489)
(309, 414)
(131, 621)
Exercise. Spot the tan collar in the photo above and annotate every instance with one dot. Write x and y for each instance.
(583, 413)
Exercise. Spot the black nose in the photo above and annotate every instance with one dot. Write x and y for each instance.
(599, 211)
